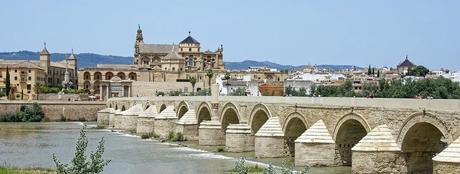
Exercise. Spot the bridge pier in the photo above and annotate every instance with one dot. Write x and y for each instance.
(315, 147)
(269, 140)
(211, 134)
(165, 122)
(145, 121)
(103, 117)
(128, 118)
(188, 125)
(448, 161)
(112, 118)
(238, 138)
(117, 120)
(378, 152)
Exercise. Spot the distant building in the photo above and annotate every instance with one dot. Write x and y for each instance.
(405, 66)
(24, 74)
(272, 89)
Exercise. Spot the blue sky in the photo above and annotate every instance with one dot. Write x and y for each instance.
(377, 32)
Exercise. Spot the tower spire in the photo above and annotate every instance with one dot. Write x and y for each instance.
(189, 33)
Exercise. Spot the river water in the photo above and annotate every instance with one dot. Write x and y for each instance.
(32, 145)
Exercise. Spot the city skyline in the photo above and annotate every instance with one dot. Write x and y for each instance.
(288, 33)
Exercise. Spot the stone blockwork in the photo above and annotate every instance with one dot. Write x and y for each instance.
(275, 122)
(60, 110)
(238, 138)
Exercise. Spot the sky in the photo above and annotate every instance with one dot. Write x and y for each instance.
(296, 32)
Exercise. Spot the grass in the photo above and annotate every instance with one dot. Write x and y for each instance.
(16, 170)
(251, 169)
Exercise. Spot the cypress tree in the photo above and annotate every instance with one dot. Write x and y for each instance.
(7, 83)
(373, 71)
(369, 70)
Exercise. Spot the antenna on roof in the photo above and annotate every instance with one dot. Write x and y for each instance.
(44, 44)
(407, 56)
(72, 50)
(189, 32)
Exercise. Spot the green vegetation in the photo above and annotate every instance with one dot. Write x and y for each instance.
(2, 94)
(7, 83)
(149, 135)
(192, 81)
(440, 88)
(45, 89)
(289, 91)
(238, 92)
(220, 149)
(80, 164)
(420, 71)
(32, 113)
(17, 170)
(210, 74)
(241, 168)
(175, 136)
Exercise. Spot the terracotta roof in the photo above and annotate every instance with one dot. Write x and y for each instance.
(22, 64)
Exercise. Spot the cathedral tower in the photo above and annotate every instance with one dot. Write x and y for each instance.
(139, 41)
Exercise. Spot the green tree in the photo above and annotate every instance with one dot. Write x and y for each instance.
(288, 90)
(369, 71)
(192, 80)
(378, 73)
(80, 164)
(418, 71)
(227, 77)
(209, 74)
(36, 89)
(7, 83)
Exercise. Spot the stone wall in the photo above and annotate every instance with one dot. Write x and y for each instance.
(59, 110)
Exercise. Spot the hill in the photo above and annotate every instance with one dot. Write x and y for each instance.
(91, 59)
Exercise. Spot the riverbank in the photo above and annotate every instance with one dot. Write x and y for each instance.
(17, 170)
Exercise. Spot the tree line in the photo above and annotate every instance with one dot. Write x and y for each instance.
(439, 88)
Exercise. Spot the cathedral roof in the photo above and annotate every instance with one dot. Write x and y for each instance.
(406, 63)
(173, 55)
(157, 48)
(189, 40)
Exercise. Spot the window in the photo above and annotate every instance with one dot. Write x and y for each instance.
(15, 78)
(15, 70)
(174, 68)
(29, 70)
(30, 78)
(29, 87)
(190, 49)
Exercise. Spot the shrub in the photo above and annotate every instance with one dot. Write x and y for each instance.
(147, 136)
(32, 113)
(179, 137)
(220, 149)
(240, 167)
(80, 164)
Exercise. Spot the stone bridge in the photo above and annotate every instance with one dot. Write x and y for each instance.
(371, 135)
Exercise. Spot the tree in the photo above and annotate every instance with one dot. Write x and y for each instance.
(378, 73)
(209, 74)
(418, 71)
(7, 83)
(80, 164)
(193, 82)
(36, 88)
(369, 71)
(288, 90)
(227, 77)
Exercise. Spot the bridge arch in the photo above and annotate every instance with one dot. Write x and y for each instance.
(421, 137)
(293, 127)
(259, 115)
(229, 115)
(162, 107)
(349, 130)
(182, 108)
(203, 112)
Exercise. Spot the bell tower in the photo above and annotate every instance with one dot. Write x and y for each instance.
(45, 58)
(139, 41)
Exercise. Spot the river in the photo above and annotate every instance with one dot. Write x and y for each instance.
(32, 145)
